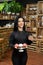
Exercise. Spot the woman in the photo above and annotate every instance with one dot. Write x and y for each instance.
(20, 36)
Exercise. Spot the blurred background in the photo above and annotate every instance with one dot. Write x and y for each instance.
(32, 11)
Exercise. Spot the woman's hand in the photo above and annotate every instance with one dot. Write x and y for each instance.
(30, 38)
(25, 45)
(16, 46)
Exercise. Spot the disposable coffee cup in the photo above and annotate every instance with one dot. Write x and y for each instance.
(20, 48)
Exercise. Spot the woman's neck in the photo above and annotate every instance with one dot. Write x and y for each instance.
(20, 29)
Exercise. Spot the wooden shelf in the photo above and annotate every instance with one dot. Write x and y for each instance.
(36, 22)
(38, 39)
(40, 14)
(7, 17)
(4, 40)
(40, 27)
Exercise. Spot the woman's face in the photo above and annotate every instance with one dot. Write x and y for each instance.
(20, 22)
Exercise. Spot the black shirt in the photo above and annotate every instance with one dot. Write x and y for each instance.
(19, 37)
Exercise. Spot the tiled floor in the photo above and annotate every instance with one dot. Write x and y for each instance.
(33, 59)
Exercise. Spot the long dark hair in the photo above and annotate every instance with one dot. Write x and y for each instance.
(16, 23)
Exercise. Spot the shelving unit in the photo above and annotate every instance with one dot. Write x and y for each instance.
(40, 20)
(4, 41)
(34, 16)
(7, 16)
(40, 7)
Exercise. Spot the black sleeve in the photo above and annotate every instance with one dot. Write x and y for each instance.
(29, 41)
(11, 40)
